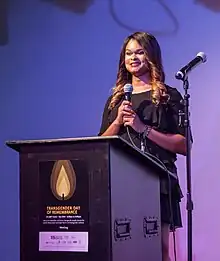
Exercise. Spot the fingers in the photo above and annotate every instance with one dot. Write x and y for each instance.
(128, 123)
(126, 107)
(126, 103)
(128, 120)
(128, 115)
(125, 110)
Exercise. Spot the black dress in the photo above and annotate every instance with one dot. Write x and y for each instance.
(163, 118)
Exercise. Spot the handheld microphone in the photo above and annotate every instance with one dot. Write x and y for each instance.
(182, 73)
(128, 89)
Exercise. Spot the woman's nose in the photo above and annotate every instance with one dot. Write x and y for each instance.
(133, 56)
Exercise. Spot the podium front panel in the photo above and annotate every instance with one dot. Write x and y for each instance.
(74, 229)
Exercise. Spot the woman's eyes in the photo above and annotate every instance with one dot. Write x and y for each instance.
(138, 52)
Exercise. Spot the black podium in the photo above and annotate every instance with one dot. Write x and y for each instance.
(88, 199)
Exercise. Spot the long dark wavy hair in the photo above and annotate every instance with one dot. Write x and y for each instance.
(154, 60)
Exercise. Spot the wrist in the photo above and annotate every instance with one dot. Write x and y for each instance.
(146, 131)
(116, 123)
(142, 128)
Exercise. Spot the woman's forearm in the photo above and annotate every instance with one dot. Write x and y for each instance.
(112, 130)
(175, 143)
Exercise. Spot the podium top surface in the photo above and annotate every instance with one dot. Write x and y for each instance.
(17, 145)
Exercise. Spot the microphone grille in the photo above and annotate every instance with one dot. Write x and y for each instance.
(128, 88)
(202, 56)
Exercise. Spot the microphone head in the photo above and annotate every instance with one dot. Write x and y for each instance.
(179, 75)
(128, 88)
(202, 56)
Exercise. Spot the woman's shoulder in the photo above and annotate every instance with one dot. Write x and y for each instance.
(107, 102)
(175, 95)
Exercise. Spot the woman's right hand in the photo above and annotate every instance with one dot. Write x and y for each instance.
(125, 109)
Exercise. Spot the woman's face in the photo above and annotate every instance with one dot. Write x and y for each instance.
(135, 59)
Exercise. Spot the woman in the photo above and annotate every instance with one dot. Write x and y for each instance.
(152, 113)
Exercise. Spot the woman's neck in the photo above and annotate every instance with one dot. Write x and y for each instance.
(141, 84)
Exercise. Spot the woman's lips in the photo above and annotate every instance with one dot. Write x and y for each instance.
(135, 64)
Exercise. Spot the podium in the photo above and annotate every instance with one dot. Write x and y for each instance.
(88, 199)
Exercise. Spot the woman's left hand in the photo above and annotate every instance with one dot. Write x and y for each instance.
(134, 122)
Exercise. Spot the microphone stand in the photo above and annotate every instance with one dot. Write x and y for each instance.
(189, 205)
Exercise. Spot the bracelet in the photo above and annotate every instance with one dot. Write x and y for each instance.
(146, 131)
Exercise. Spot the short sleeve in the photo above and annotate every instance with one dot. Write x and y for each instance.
(105, 118)
(175, 107)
